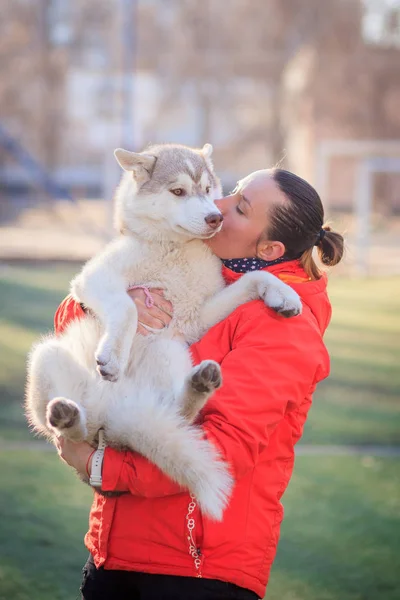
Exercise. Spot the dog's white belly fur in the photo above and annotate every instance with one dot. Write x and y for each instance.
(147, 384)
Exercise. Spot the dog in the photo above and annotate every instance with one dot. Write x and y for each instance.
(143, 390)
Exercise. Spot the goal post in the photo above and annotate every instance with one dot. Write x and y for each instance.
(373, 156)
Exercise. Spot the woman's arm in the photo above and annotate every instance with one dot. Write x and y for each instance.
(267, 373)
(68, 311)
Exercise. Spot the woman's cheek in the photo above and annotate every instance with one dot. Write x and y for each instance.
(230, 226)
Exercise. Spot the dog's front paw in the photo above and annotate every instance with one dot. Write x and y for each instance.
(108, 369)
(62, 413)
(281, 298)
(108, 365)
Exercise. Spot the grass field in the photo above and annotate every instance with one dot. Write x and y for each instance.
(340, 534)
(342, 545)
(29, 297)
(360, 402)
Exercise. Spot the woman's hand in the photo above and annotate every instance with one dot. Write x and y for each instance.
(156, 317)
(76, 454)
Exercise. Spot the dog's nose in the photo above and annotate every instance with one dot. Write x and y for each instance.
(214, 220)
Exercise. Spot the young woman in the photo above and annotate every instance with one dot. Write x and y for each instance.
(152, 541)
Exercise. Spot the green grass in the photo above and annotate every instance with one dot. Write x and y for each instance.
(340, 535)
(44, 515)
(339, 538)
(29, 298)
(360, 402)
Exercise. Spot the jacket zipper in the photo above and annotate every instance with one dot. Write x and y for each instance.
(194, 550)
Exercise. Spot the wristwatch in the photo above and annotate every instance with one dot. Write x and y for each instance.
(97, 461)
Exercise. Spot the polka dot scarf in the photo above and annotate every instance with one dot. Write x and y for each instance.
(243, 265)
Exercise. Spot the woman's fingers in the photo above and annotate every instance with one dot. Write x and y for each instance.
(60, 444)
(157, 294)
(158, 316)
(152, 317)
(160, 301)
(142, 330)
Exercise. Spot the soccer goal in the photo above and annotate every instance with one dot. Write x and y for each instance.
(373, 156)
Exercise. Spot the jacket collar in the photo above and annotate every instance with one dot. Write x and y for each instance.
(290, 270)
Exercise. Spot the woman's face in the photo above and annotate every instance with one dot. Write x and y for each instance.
(245, 213)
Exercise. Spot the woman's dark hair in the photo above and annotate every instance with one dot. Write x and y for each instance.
(298, 222)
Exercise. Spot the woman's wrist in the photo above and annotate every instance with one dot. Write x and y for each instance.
(75, 454)
(89, 463)
(95, 462)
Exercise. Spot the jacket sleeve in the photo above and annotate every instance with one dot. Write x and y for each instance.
(267, 372)
(68, 311)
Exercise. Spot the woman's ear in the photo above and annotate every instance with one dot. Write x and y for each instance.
(270, 250)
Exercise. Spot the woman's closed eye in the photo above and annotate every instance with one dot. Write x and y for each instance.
(238, 210)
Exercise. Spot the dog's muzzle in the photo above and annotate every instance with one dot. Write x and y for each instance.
(214, 220)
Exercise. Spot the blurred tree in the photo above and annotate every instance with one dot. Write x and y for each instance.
(32, 75)
(215, 53)
(244, 74)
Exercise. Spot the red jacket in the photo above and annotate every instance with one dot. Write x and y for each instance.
(270, 368)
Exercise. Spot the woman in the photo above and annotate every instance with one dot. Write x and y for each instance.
(152, 541)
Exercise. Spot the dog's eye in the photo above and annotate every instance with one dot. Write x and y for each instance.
(208, 189)
(178, 191)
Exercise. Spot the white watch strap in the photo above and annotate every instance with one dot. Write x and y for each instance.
(97, 461)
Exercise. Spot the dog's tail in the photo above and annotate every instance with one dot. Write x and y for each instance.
(177, 448)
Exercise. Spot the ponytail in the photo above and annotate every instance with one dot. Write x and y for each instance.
(330, 252)
(330, 247)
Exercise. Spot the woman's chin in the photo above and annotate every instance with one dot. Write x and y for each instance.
(215, 248)
(211, 243)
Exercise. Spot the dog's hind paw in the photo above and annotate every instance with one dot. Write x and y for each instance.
(62, 413)
(206, 377)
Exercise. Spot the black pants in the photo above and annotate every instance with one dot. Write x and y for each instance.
(101, 584)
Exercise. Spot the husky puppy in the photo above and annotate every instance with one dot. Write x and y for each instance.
(143, 390)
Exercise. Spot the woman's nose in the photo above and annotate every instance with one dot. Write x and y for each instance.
(221, 205)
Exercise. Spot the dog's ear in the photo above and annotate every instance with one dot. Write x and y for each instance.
(141, 165)
(206, 151)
